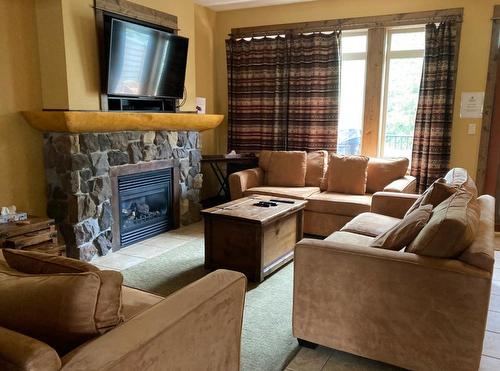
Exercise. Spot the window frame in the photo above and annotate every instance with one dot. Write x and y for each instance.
(356, 56)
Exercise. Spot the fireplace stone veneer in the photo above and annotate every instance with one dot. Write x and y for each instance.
(79, 170)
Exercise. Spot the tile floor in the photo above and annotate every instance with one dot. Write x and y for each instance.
(148, 249)
(321, 358)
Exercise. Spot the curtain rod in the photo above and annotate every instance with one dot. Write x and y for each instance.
(340, 24)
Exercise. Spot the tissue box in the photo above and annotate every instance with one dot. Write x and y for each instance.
(13, 217)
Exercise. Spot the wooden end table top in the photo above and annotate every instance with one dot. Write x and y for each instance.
(243, 209)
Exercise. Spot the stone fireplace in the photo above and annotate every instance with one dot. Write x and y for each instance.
(83, 172)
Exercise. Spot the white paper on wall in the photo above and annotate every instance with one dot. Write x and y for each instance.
(471, 105)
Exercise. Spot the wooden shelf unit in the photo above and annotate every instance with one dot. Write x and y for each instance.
(33, 234)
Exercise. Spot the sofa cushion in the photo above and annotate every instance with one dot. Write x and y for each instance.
(460, 178)
(350, 238)
(137, 301)
(404, 232)
(438, 191)
(481, 253)
(383, 171)
(4, 267)
(57, 309)
(23, 353)
(300, 193)
(406, 184)
(323, 225)
(451, 229)
(264, 158)
(339, 203)
(370, 224)
(316, 167)
(287, 169)
(347, 174)
(108, 310)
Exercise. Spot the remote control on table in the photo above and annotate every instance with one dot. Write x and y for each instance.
(283, 201)
(265, 204)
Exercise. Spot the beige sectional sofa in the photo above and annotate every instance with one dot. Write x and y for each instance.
(325, 212)
(197, 327)
(416, 311)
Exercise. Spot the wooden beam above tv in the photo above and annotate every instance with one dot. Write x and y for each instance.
(139, 12)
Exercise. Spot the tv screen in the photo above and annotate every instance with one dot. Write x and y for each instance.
(144, 61)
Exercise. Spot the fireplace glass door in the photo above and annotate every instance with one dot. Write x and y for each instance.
(145, 201)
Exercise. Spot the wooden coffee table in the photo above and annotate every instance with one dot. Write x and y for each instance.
(250, 239)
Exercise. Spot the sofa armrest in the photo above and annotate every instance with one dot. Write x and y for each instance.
(240, 181)
(392, 203)
(411, 311)
(406, 184)
(197, 327)
(21, 352)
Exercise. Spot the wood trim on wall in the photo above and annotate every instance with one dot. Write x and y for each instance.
(139, 12)
(99, 22)
(401, 19)
(373, 91)
(489, 96)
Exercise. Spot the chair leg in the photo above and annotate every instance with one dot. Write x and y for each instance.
(307, 344)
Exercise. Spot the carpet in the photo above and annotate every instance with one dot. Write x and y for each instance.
(267, 342)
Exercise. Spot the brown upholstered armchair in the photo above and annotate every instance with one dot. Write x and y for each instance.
(197, 327)
(411, 310)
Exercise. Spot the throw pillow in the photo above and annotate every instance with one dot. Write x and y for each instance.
(438, 191)
(58, 309)
(403, 233)
(316, 168)
(264, 158)
(451, 229)
(347, 174)
(109, 303)
(287, 169)
(460, 178)
(383, 171)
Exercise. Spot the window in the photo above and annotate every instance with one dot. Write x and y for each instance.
(402, 58)
(403, 71)
(352, 87)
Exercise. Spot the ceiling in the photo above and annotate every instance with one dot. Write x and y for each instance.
(219, 5)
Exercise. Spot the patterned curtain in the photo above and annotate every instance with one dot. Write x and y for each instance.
(432, 137)
(283, 92)
(258, 91)
(313, 91)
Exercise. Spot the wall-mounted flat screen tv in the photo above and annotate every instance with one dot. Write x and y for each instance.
(145, 62)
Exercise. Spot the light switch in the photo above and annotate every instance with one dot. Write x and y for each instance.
(471, 129)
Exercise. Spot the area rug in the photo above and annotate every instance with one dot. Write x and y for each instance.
(267, 341)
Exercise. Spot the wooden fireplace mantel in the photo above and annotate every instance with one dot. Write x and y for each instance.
(98, 121)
